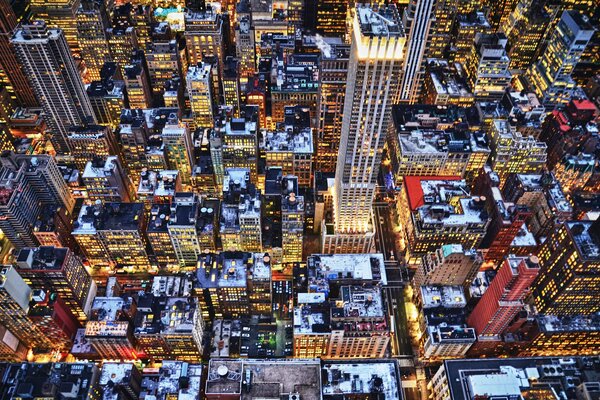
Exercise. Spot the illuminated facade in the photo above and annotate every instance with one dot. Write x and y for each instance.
(418, 18)
(105, 180)
(239, 138)
(333, 73)
(139, 92)
(178, 147)
(551, 77)
(92, 23)
(122, 43)
(487, 67)
(60, 271)
(331, 17)
(375, 60)
(569, 259)
(504, 298)
(204, 34)
(61, 14)
(199, 88)
(514, 153)
(183, 229)
(244, 42)
(65, 101)
(91, 141)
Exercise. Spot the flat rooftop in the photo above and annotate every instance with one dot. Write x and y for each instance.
(443, 296)
(379, 21)
(360, 377)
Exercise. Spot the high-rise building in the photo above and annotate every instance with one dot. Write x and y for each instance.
(204, 35)
(11, 73)
(59, 14)
(139, 92)
(450, 265)
(333, 71)
(240, 219)
(112, 236)
(291, 146)
(487, 67)
(91, 141)
(105, 180)
(551, 77)
(183, 227)
(58, 270)
(331, 17)
(292, 220)
(164, 61)
(122, 42)
(374, 72)
(92, 23)
(504, 297)
(239, 138)
(569, 260)
(55, 81)
(199, 88)
(513, 152)
(110, 330)
(15, 296)
(178, 148)
(107, 97)
(27, 184)
(245, 48)
(525, 29)
(417, 19)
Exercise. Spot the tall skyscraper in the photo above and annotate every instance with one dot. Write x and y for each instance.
(331, 17)
(48, 63)
(11, 73)
(551, 77)
(418, 18)
(333, 70)
(570, 261)
(59, 14)
(199, 87)
(373, 75)
(504, 298)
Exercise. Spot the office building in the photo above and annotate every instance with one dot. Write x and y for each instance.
(139, 91)
(164, 61)
(105, 180)
(417, 19)
(92, 24)
(91, 141)
(29, 183)
(199, 87)
(512, 377)
(222, 284)
(110, 330)
(240, 219)
(182, 226)
(513, 152)
(445, 333)
(564, 336)
(362, 143)
(440, 210)
(450, 265)
(550, 77)
(11, 73)
(112, 237)
(239, 142)
(504, 298)
(107, 97)
(361, 379)
(60, 271)
(291, 146)
(120, 381)
(281, 378)
(446, 83)
(168, 328)
(292, 221)
(204, 34)
(333, 70)
(178, 147)
(488, 67)
(567, 282)
(64, 100)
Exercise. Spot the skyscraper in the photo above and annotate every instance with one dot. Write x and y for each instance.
(199, 87)
(417, 18)
(11, 73)
(48, 63)
(570, 261)
(503, 299)
(92, 22)
(551, 77)
(373, 75)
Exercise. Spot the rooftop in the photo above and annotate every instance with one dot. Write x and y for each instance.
(312, 319)
(572, 323)
(325, 267)
(112, 375)
(108, 217)
(226, 269)
(100, 167)
(379, 21)
(361, 377)
(443, 296)
(41, 258)
(359, 302)
(586, 235)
